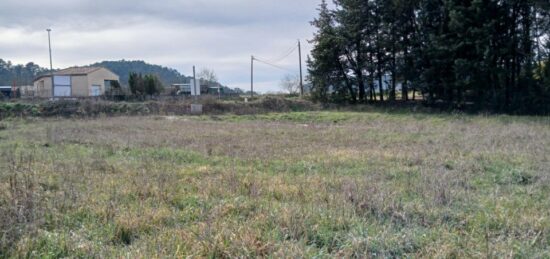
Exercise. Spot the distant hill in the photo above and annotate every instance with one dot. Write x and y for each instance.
(25, 74)
(123, 68)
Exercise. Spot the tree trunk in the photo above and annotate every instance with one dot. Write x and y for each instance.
(404, 91)
(360, 84)
(379, 73)
(348, 83)
(393, 73)
(359, 70)
(371, 79)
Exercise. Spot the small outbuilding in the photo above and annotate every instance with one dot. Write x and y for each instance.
(6, 92)
(75, 82)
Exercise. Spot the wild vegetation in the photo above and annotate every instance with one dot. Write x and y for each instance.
(303, 184)
(178, 106)
(486, 55)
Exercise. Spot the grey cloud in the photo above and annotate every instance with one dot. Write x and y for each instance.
(219, 34)
(215, 12)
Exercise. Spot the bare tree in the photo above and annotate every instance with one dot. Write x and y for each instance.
(208, 76)
(291, 84)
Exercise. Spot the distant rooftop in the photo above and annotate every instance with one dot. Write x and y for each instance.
(76, 71)
(72, 71)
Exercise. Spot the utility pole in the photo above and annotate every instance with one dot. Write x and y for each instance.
(251, 77)
(13, 89)
(300, 60)
(195, 83)
(51, 64)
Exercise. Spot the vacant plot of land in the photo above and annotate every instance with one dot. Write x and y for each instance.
(319, 184)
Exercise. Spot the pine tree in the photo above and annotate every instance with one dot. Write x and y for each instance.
(325, 66)
(478, 54)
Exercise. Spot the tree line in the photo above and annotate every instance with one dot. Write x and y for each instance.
(124, 68)
(480, 54)
(11, 74)
(24, 74)
(141, 86)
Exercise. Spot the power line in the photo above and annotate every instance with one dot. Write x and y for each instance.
(273, 65)
(289, 49)
(285, 55)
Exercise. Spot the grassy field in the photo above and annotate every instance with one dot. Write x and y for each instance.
(313, 184)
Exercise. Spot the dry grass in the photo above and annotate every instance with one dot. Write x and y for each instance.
(88, 108)
(325, 184)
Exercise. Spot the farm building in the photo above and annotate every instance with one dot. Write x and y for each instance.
(16, 91)
(76, 82)
(27, 90)
(5, 91)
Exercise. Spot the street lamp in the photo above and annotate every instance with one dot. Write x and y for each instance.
(51, 64)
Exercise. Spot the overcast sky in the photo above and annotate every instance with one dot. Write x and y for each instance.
(218, 34)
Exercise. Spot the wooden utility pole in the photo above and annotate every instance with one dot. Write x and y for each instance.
(300, 61)
(251, 77)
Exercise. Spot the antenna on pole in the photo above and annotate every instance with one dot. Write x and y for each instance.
(300, 62)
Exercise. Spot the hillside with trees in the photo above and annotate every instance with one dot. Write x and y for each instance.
(483, 55)
(160, 75)
(124, 68)
(25, 74)
(19, 74)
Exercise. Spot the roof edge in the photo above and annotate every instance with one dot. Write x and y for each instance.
(67, 72)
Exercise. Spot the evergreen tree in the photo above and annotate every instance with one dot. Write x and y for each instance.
(353, 19)
(152, 85)
(478, 54)
(327, 69)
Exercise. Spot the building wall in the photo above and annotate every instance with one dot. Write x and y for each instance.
(43, 87)
(98, 78)
(79, 86)
(28, 90)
